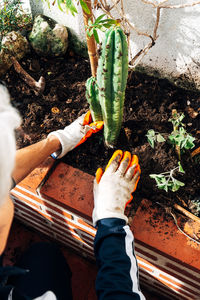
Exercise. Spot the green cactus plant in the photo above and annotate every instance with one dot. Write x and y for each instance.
(112, 73)
(93, 99)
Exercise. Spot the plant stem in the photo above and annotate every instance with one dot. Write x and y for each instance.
(169, 172)
(175, 128)
(91, 44)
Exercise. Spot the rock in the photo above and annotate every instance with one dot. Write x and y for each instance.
(48, 38)
(76, 45)
(13, 44)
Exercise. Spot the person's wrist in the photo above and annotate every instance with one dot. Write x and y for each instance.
(54, 143)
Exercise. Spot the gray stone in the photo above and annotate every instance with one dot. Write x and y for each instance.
(13, 44)
(48, 38)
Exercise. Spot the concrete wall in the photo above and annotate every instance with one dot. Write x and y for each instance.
(176, 54)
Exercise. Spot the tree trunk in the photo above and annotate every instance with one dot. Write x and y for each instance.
(91, 44)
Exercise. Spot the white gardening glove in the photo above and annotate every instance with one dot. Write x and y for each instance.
(113, 189)
(76, 133)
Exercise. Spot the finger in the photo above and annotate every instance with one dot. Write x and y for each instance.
(130, 172)
(125, 162)
(135, 180)
(96, 126)
(85, 137)
(87, 119)
(113, 163)
(115, 154)
(134, 160)
(99, 174)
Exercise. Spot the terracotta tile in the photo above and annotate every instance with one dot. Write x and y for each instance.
(151, 227)
(72, 188)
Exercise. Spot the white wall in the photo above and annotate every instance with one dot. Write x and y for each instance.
(176, 54)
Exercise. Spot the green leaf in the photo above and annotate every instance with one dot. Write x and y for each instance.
(70, 5)
(159, 178)
(90, 22)
(180, 183)
(96, 36)
(59, 2)
(156, 175)
(151, 137)
(160, 138)
(180, 168)
(176, 185)
(188, 142)
(176, 120)
(99, 18)
(84, 7)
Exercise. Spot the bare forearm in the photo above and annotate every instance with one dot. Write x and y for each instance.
(28, 158)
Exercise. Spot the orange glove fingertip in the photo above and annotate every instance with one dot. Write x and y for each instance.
(97, 124)
(88, 118)
(99, 174)
(126, 155)
(134, 160)
(115, 154)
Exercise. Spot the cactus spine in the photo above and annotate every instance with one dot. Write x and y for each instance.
(112, 73)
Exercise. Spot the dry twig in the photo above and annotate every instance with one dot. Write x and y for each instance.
(37, 86)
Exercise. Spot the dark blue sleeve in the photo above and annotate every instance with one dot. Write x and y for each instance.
(117, 277)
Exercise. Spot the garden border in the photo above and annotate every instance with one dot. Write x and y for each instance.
(57, 200)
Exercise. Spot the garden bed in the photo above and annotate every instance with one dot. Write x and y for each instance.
(148, 105)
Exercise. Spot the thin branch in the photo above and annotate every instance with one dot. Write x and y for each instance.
(124, 18)
(156, 24)
(116, 2)
(138, 57)
(105, 10)
(179, 6)
(122, 6)
(183, 232)
(149, 2)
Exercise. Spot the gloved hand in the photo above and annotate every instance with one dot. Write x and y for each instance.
(113, 189)
(76, 133)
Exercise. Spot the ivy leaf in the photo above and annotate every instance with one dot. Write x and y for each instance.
(151, 137)
(188, 143)
(176, 120)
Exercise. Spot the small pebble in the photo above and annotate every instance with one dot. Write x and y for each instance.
(69, 101)
(55, 110)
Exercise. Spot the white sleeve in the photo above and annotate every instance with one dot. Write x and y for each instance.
(47, 296)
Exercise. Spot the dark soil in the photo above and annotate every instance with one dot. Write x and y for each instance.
(148, 105)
